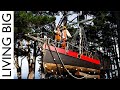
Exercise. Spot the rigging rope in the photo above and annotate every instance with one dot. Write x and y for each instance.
(54, 59)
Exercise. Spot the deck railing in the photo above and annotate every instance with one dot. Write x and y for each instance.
(72, 47)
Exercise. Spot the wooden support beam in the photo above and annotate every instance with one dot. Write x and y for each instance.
(51, 66)
(78, 73)
(34, 38)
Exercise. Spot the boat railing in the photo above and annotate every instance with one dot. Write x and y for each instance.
(75, 48)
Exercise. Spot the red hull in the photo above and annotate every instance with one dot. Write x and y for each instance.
(70, 58)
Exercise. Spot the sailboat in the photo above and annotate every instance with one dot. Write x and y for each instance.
(72, 60)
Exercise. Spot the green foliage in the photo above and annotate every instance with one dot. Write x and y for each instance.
(101, 32)
(23, 19)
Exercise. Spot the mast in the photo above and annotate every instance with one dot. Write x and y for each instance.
(80, 33)
(65, 18)
(83, 45)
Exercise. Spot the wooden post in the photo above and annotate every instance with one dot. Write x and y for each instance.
(31, 73)
(34, 57)
(16, 60)
(17, 67)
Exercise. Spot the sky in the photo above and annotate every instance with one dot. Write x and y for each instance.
(70, 17)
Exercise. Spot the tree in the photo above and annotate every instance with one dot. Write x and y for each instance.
(26, 21)
(117, 15)
(103, 33)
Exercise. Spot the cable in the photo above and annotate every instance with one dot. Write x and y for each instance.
(54, 59)
(64, 65)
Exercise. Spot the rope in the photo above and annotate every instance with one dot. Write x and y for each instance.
(64, 65)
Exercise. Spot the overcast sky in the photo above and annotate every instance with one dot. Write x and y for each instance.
(71, 17)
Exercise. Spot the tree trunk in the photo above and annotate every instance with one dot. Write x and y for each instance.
(116, 58)
(117, 15)
(30, 63)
